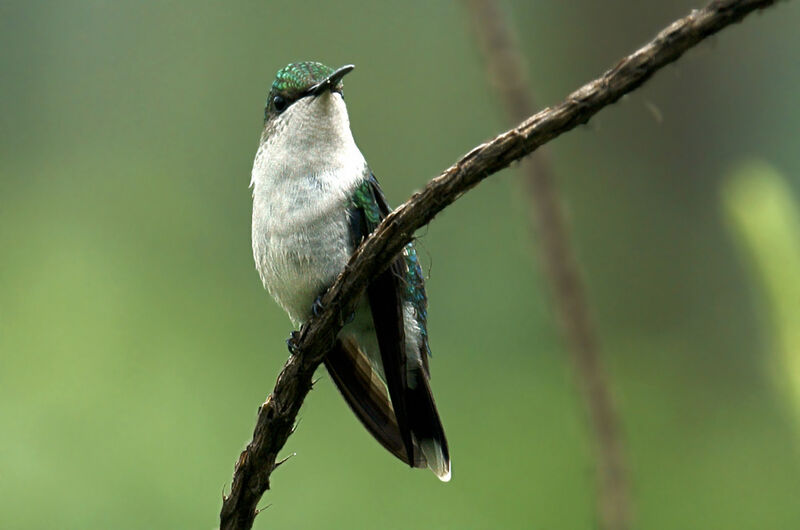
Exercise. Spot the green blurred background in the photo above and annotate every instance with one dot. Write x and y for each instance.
(136, 341)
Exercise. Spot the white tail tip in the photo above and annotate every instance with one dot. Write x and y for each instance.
(436, 459)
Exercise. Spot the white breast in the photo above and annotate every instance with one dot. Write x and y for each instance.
(303, 177)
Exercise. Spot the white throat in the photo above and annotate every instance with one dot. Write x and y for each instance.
(311, 138)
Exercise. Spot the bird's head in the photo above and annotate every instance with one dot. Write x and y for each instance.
(305, 95)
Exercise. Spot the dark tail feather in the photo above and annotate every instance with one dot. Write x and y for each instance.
(425, 424)
(361, 387)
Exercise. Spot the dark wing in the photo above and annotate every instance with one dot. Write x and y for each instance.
(386, 304)
(421, 417)
(352, 372)
(416, 435)
(359, 388)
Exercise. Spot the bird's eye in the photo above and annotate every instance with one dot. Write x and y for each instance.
(279, 103)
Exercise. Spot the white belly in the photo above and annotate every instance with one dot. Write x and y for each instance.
(301, 242)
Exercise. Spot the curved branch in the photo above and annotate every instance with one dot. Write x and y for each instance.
(277, 415)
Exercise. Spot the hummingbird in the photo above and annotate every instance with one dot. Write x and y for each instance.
(314, 200)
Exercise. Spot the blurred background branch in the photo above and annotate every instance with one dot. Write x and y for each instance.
(507, 73)
(276, 417)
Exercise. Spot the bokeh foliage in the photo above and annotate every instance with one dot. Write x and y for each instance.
(136, 341)
(764, 214)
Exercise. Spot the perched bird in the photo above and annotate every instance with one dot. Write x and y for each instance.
(314, 200)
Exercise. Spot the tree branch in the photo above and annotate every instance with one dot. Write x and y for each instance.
(277, 414)
(507, 73)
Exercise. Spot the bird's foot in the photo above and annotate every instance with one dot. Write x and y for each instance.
(317, 306)
(291, 342)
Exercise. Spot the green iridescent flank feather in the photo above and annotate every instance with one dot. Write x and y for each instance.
(415, 292)
(365, 200)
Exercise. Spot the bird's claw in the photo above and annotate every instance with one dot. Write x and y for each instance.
(317, 306)
(291, 342)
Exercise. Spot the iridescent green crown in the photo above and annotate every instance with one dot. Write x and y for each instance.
(293, 81)
(297, 77)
